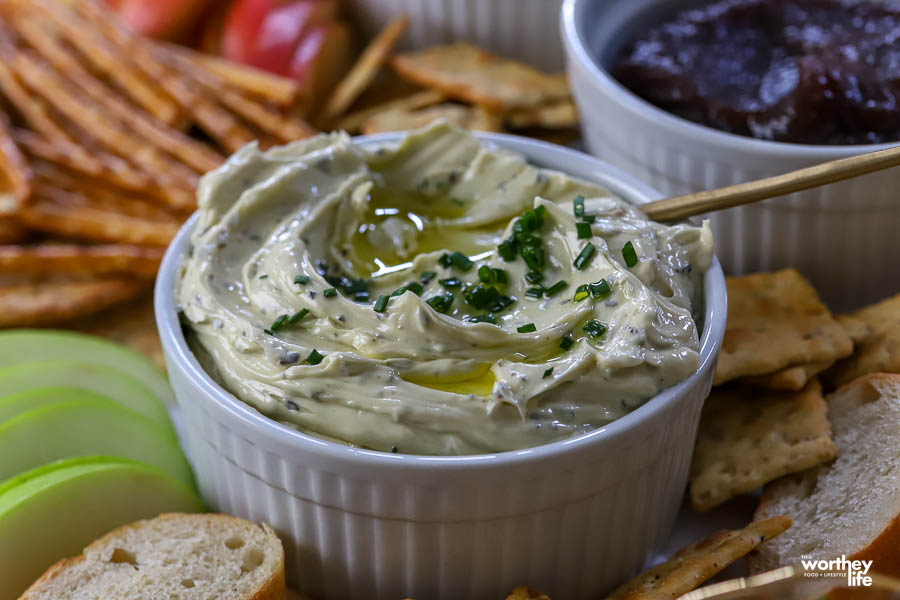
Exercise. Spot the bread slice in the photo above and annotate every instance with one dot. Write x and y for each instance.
(851, 506)
(174, 556)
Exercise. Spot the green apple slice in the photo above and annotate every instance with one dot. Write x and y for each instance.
(64, 507)
(14, 405)
(101, 379)
(88, 427)
(28, 345)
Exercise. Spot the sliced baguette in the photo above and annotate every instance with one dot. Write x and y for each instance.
(174, 556)
(851, 506)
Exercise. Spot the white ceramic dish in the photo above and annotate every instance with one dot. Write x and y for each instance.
(842, 236)
(521, 29)
(572, 518)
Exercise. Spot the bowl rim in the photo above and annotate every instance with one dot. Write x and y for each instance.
(577, 50)
(180, 356)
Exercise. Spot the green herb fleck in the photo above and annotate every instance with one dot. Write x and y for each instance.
(330, 293)
(629, 254)
(556, 288)
(480, 296)
(595, 328)
(529, 328)
(584, 230)
(278, 323)
(450, 282)
(399, 291)
(535, 292)
(507, 249)
(381, 303)
(297, 316)
(427, 276)
(301, 279)
(567, 342)
(578, 206)
(600, 289)
(581, 292)
(440, 303)
(460, 261)
(548, 373)
(585, 256)
(533, 256)
(490, 275)
(534, 277)
(314, 357)
(415, 287)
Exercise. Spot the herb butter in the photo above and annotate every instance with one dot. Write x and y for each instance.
(435, 296)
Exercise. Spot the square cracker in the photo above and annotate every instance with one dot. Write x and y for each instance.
(466, 72)
(876, 331)
(791, 379)
(749, 437)
(694, 564)
(776, 320)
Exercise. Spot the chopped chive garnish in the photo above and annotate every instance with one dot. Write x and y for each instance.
(381, 303)
(481, 296)
(581, 292)
(556, 288)
(507, 249)
(488, 318)
(578, 206)
(450, 282)
(399, 291)
(585, 256)
(535, 292)
(490, 275)
(460, 261)
(301, 279)
(600, 289)
(298, 316)
(589, 219)
(567, 342)
(278, 323)
(584, 230)
(263, 276)
(440, 303)
(314, 357)
(534, 277)
(548, 373)
(444, 261)
(629, 254)
(533, 257)
(595, 328)
(529, 328)
(415, 287)
(427, 276)
(330, 293)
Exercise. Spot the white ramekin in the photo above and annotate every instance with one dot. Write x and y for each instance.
(842, 236)
(572, 518)
(522, 29)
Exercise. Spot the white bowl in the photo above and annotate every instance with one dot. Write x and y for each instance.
(842, 236)
(572, 518)
(522, 29)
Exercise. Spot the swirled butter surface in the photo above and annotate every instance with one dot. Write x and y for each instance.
(435, 296)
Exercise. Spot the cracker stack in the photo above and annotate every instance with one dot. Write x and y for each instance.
(767, 416)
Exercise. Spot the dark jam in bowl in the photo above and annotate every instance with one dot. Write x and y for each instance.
(804, 71)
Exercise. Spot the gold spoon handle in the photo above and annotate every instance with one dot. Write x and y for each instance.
(680, 207)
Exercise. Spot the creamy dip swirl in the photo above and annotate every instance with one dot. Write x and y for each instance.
(317, 291)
